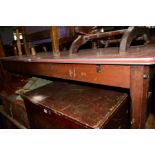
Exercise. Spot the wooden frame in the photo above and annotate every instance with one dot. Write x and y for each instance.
(51, 33)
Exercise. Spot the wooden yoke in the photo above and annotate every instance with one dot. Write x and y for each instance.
(55, 41)
(128, 35)
(131, 34)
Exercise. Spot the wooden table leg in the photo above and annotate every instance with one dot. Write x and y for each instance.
(139, 84)
(26, 45)
(18, 43)
(55, 41)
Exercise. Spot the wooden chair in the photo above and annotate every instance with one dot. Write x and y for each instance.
(49, 36)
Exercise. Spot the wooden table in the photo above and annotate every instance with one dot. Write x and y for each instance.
(132, 70)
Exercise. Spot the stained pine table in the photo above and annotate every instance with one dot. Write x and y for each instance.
(132, 70)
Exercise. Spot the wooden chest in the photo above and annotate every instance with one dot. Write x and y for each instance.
(65, 105)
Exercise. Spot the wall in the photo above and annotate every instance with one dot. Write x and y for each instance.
(6, 34)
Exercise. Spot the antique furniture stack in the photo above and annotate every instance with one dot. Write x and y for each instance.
(92, 88)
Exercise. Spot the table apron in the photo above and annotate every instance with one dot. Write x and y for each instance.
(111, 75)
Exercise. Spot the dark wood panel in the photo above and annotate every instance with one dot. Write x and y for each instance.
(68, 105)
(38, 36)
(112, 75)
(1, 73)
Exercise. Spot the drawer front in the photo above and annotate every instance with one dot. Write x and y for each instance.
(43, 118)
(112, 75)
